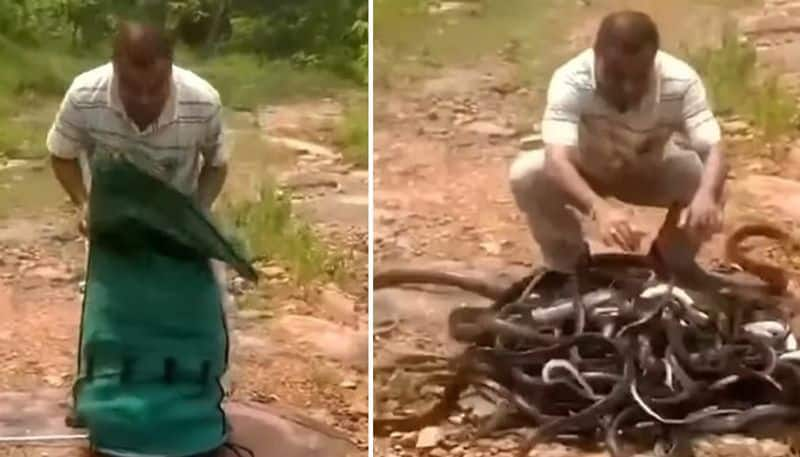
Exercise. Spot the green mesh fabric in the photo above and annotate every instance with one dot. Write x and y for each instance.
(153, 342)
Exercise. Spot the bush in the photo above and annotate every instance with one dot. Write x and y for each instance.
(353, 134)
(734, 85)
(330, 33)
(270, 231)
(245, 82)
(44, 44)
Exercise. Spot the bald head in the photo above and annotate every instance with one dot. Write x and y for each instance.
(142, 43)
(142, 70)
(627, 32)
(625, 50)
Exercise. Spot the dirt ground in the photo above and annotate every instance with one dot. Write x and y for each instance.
(444, 139)
(303, 349)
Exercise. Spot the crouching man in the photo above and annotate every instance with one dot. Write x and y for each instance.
(614, 117)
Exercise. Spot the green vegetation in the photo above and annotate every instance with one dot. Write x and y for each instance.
(245, 82)
(30, 87)
(735, 86)
(353, 133)
(254, 52)
(409, 35)
(270, 231)
(331, 34)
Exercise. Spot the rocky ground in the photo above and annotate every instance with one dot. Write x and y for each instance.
(299, 349)
(450, 136)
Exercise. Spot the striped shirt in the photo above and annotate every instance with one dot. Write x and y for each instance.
(187, 134)
(674, 108)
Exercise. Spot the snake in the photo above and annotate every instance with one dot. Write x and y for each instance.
(585, 417)
(632, 343)
(739, 421)
(406, 276)
(775, 277)
(615, 425)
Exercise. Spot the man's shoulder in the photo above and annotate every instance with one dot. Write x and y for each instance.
(194, 89)
(91, 85)
(577, 71)
(674, 70)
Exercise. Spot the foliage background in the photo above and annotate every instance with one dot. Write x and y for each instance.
(253, 51)
(323, 33)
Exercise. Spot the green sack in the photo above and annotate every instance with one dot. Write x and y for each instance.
(153, 342)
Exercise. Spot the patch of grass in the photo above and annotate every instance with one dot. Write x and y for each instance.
(735, 86)
(245, 81)
(352, 134)
(407, 35)
(32, 83)
(270, 231)
(20, 139)
(41, 71)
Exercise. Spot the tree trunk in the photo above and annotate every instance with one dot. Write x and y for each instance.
(216, 26)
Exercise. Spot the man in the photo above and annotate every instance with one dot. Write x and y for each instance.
(142, 99)
(617, 119)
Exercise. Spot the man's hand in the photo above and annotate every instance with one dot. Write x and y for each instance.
(613, 222)
(615, 227)
(703, 217)
(68, 173)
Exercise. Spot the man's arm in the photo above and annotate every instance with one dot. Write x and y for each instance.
(215, 163)
(715, 172)
(210, 183)
(705, 138)
(703, 216)
(69, 175)
(560, 125)
(67, 139)
(561, 168)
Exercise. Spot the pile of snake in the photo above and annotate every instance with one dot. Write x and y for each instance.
(617, 353)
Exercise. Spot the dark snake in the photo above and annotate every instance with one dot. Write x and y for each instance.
(631, 361)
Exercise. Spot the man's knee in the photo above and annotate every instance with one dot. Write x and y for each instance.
(526, 174)
(684, 173)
